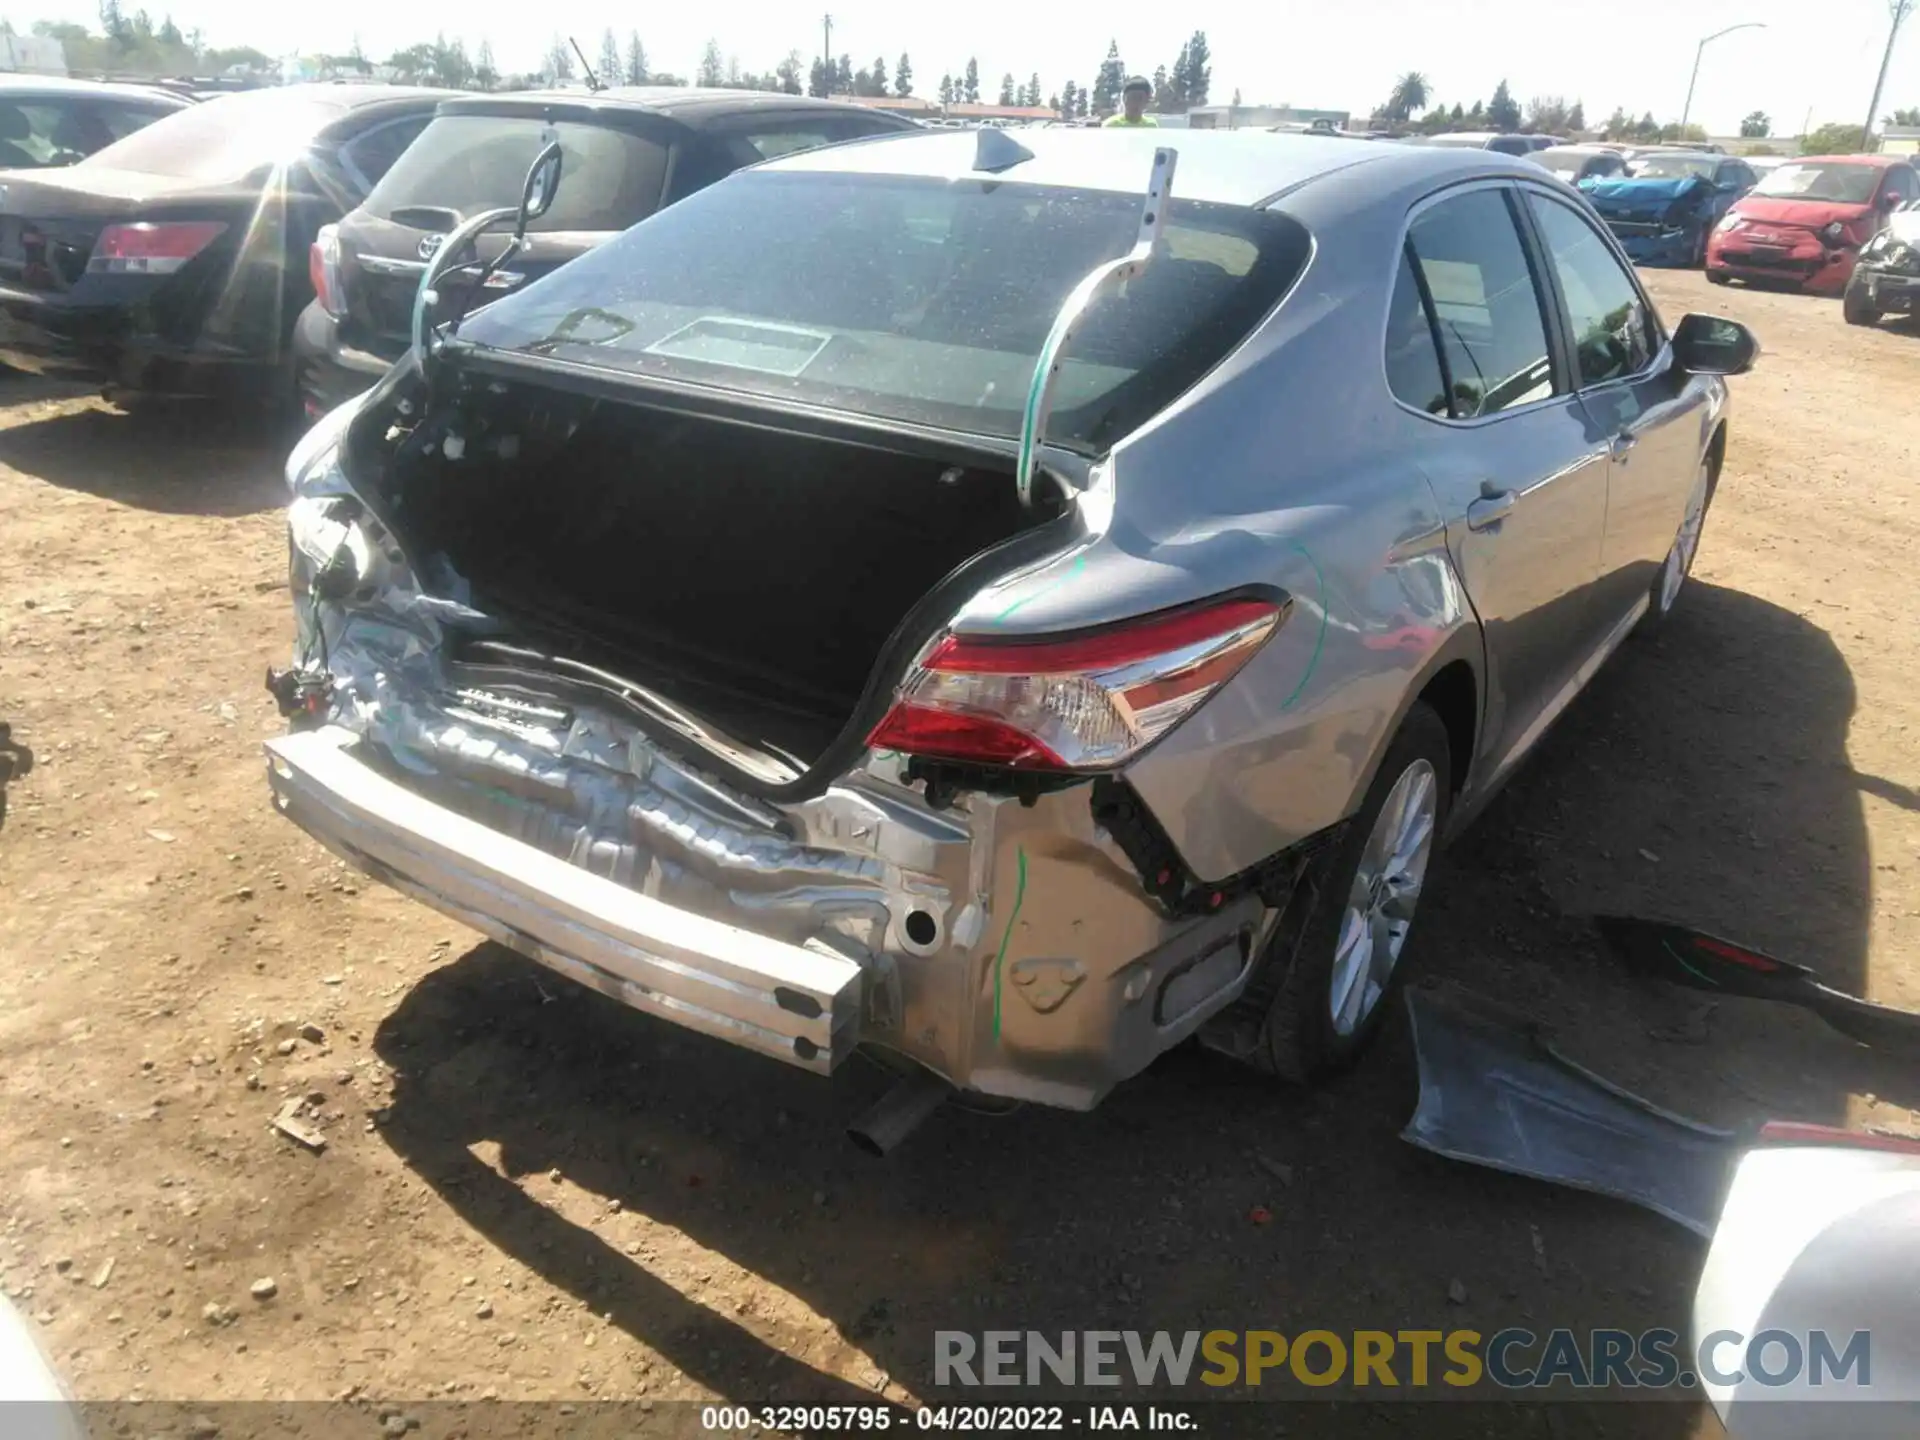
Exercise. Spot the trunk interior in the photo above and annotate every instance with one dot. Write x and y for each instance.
(752, 576)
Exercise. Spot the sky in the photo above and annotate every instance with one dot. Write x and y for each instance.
(1817, 58)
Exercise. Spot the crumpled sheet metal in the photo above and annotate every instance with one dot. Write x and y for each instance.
(1498, 1095)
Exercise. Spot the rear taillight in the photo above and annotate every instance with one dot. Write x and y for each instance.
(1085, 701)
(151, 247)
(323, 268)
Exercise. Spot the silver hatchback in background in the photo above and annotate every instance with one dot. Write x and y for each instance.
(997, 613)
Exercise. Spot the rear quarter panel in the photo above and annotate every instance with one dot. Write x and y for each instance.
(1292, 468)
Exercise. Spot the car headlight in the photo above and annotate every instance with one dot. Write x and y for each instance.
(1731, 223)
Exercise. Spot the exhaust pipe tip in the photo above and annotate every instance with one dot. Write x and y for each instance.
(898, 1113)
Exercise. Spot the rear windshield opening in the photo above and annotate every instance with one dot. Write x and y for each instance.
(468, 163)
(906, 298)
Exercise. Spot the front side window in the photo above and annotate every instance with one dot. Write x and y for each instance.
(609, 178)
(920, 300)
(1485, 306)
(1613, 336)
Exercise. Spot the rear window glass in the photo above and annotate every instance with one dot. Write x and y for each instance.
(913, 299)
(468, 163)
(224, 139)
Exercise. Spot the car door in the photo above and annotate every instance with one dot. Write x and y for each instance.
(1517, 465)
(1645, 407)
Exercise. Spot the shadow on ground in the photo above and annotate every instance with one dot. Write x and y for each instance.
(16, 762)
(176, 459)
(1719, 749)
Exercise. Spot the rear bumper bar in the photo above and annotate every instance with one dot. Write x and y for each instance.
(795, 1004)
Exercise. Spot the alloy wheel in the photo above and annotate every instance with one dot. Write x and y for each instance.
(1385, 891)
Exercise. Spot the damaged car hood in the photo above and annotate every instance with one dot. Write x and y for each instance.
(1662, 190)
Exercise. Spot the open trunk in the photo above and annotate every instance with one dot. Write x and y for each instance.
(751, 576)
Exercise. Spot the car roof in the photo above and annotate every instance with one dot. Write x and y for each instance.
(1579, 150)
(48, 86)
(690, 105)
(1688, 155)
(1231, 167)
(1877, 162)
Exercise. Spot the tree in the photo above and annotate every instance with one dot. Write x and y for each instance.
(1502, 113)
(820, 79)
(1477, 115)
(1199, 76)
(1006, 90)
(878, 76)
(788, 73)
(1235, 102)
(946, 89)
(1163, 90)
(1410, 93)
(1053, 102)
(843, 76)
(970, 88)
(712, 67)
(1909, 116)
(1756, 126)
(1033, 90)
(114, 25)
(1069, 97)
(1577, 117)
(1107, 84)
(1546, 115)
(485, 73)
(559, 62)
(170, 33)
(608, 70)
(1082, 103)
(1835, 140)
(903, 77)
(637, 60)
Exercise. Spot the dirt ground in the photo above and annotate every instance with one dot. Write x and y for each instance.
(529, 1193)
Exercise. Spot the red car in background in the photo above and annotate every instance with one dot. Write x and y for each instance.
(1804, 223)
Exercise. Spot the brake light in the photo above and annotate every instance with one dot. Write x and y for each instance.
(151, 247)
(1086, 701)
(323, 269)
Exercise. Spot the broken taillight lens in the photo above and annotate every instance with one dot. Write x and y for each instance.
(1086, 701)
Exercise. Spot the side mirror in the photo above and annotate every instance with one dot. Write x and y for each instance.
(1890, 201)
(1711, 345)
(536, 196)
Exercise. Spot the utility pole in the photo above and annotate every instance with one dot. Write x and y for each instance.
(1686, 112)
(826, 49)
(1900, 9)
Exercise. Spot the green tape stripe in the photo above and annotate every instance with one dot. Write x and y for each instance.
(1072, 570)
(1681, 961)
(1320, 639)
(999, 960)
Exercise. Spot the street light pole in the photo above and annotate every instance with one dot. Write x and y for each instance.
(1901, 9)
(1687, 112)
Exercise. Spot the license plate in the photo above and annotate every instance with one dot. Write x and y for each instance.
(1771, 252)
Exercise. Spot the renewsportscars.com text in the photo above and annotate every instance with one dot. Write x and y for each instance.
(1378, 1360)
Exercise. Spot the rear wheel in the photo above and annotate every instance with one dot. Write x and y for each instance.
(1717, 277)
(1349, 926)
(1857, 305)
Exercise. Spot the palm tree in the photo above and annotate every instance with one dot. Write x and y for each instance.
(1409, 94)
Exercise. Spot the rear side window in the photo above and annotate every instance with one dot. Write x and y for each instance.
(609, 178)
(36, 133)
(1485, 306)
(1413, 360)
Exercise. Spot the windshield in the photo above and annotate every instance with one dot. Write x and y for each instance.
(1839, 184)
(468, 163)
(224, 139)
(1673, 167)
(912, 299)
(1561, 162)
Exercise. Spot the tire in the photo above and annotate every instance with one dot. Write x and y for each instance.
(1717, 277)
(1699, 261)
(1671, 581)
(1301, 1040)
(1855, 306)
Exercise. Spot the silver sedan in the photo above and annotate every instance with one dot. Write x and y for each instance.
(1011, 603)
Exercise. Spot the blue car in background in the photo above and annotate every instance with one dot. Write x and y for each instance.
(1665, 210)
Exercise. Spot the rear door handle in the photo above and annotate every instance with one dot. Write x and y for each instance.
(1489, 510)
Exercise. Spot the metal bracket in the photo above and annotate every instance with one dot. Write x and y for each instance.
(1108, 277)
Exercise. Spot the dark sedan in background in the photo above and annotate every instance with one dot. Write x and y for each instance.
(173, 263)
(626, 153)
(1574, 163)
(48, 120)
(1664, 212)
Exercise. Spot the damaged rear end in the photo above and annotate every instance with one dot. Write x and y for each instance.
(627, 635)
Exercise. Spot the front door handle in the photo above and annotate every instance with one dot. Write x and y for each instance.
(1622, 443)
(1489, 510)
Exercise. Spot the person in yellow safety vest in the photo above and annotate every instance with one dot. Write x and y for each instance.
(1134, 95)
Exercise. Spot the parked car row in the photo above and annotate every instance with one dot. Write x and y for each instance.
(266, 245)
